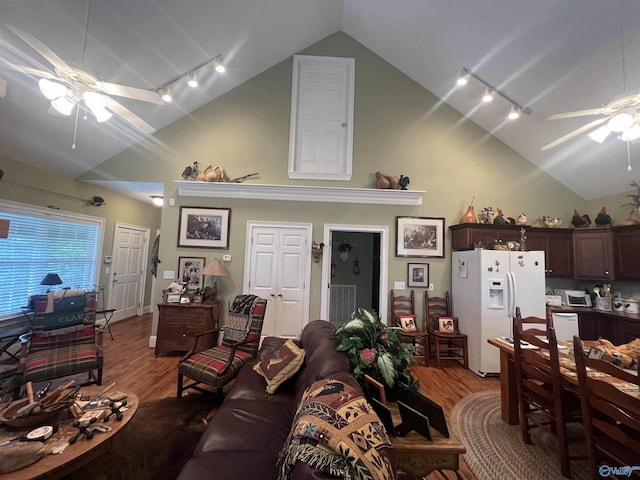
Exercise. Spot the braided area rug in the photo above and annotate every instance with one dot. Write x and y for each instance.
(495, 450)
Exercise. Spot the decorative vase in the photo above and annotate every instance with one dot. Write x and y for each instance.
(469, 216)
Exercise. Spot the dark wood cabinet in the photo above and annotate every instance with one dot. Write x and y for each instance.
(626, 252)
(466, 235)
(557, 245)
(593, 255)
(179, 323)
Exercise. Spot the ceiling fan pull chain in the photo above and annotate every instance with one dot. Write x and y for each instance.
(75, 127)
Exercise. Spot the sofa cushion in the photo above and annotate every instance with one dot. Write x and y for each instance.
(281, 366)
(249, 385)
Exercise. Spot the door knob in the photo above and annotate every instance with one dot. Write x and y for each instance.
(280, 294)
(272, 294)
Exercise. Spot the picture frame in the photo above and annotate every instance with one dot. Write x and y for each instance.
(185, 299)
(407, 323)
(203, 227)
(418, 275)
(173, 297)
(420, 237)
(190, 272)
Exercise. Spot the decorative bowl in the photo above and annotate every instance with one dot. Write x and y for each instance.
(51, 415)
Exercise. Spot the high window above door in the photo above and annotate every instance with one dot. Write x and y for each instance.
(321, 135)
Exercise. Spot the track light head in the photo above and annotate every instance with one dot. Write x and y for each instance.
(463, 78)
(488, 96)
(193, 80)
(514, 113)
(166, 95)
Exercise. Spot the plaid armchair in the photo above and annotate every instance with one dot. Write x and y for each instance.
(218, 365)
(65, 340)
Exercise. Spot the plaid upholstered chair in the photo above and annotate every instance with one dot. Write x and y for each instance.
(64, 341)
(216, 366)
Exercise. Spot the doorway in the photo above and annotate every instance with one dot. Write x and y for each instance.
(354, 271)
(126, 289)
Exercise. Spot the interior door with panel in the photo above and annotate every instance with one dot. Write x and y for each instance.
(127, 275)
(277, 268)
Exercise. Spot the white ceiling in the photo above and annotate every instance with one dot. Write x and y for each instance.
(553, 56)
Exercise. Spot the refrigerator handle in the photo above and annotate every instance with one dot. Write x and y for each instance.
(511, 282)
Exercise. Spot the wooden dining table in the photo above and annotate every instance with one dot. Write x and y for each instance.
(508, 381)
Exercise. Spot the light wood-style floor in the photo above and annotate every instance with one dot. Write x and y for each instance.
(131, 364)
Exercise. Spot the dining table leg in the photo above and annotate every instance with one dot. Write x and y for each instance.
(508, 389)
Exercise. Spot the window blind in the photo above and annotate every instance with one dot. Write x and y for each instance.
(42, 241)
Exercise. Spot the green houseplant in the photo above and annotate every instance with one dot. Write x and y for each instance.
(374, 349)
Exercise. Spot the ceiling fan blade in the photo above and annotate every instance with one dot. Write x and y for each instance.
(29, 71)
(128, 115)
(576, 132)
(41, 48)
(579, 113)
(132, 92)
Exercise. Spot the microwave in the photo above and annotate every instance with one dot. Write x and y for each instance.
(575, 298)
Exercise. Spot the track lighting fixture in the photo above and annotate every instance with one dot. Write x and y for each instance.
(490, 92)
(193, 80)
(488, 96)
(199, 71)
(166, 95)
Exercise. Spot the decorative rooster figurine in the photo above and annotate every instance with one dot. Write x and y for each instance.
(580, 221)
(603, 219)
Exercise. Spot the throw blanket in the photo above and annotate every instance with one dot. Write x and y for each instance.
(336, 431)
(239, 318)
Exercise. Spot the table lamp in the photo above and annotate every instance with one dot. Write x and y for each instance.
(214, 268)
(51, 279)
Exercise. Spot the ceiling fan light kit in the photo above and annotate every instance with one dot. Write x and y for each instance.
(490, 93)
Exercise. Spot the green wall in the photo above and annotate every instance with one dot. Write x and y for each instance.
(400, 128)
(30, 185)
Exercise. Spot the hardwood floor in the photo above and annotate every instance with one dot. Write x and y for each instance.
(131, 364)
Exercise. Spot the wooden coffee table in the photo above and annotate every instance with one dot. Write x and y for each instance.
(54, 466)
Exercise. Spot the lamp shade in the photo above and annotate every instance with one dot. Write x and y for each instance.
(215, 267)
(51, 279)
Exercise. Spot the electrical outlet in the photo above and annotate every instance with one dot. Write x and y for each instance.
(226, 258)
(398, 285)
(431, 287)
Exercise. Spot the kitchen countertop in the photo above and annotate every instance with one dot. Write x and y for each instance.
(578, 310)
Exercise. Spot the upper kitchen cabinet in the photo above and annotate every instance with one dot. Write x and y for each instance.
(467, 235)
(593, 255)
(626, 252)
(557, 244)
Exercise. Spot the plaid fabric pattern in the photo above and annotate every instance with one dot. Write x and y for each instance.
(44, 340)
(204, 366)
(60, 362)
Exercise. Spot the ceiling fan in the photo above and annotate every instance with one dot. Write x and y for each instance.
(68, 87)
(621, 116)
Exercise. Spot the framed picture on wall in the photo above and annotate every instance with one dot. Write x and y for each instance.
(190, 272)
(201, 227)
(419, 237)
(418, 275)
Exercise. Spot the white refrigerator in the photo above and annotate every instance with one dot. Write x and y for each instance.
(486, 288)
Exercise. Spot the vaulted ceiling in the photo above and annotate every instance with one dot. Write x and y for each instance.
(550, 56)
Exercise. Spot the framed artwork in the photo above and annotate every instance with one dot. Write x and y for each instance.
(407, 323)
(418, 275)
(201, 227)
(190, 272)
(419, 237)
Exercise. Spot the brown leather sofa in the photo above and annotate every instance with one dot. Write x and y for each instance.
(251, 426)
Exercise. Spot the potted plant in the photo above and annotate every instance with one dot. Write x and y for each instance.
(375, 349)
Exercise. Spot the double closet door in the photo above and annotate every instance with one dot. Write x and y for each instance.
(277, 268)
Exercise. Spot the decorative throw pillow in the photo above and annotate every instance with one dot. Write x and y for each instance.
(281, 366)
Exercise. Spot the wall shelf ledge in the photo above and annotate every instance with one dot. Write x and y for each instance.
(299, 193)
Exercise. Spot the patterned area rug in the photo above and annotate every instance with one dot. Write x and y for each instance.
(495, 450)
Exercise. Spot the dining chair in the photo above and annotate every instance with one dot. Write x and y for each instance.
(218, 365)
(443, 344)
(65, 339)
(542, 400)
(546, 322)
(402, 305)
(610, 398)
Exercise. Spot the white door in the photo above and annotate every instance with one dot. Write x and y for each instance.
(277, 268)
(130, 248)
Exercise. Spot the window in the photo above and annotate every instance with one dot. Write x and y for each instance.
(42, 241)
